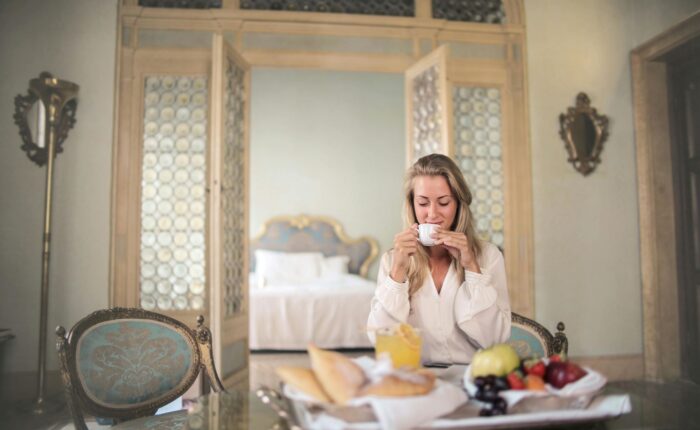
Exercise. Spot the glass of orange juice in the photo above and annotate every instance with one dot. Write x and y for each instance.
(402, 343)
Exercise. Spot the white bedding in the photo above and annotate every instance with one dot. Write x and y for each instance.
(332, 313)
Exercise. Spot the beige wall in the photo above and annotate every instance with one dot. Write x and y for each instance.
(328, 143)
(74, 40)
(587, 270)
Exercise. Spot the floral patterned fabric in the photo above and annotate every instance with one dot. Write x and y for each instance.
(130, 362)
(526, 343)
(173, 421)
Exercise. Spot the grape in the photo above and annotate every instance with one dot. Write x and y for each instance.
(501, 384)
(496, 411)
(488, 396)
(500, 404)
(479, 381)
(485, 412)
(491, 379)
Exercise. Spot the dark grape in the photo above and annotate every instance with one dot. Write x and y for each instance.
(501, 384)
(479, 381)
(485, 412)
(487, 386)
(491, 379)
(488, 396)
(500, 404)
(496, 411)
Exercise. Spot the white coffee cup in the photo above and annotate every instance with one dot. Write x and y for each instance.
(425, 232)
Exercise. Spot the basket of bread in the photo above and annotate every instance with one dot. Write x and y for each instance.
(336, 379)
(387, 393)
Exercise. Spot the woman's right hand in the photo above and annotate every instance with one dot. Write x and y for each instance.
(405, 245)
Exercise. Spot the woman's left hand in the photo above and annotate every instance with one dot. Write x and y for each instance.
(458, 246)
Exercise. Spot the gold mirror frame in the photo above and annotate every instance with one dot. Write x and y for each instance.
(583, 132)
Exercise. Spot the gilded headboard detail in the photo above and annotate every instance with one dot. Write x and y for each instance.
(304, 233)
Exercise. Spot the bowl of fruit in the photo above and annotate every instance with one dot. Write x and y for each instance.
(500, 380)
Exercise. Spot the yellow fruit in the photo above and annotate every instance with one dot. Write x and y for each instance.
(499, 360)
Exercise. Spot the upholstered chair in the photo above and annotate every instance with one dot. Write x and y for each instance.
(530, 338)
(125, 363)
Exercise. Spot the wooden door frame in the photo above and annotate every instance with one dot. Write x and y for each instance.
(657, 231)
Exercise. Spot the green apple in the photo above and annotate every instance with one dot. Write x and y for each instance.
(498, 360)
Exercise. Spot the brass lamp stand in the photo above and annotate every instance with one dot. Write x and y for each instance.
(53, 103)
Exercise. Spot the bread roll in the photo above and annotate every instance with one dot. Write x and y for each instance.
(399, 384)
(304, 380)
(339, 376)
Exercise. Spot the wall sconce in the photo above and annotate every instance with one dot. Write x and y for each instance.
(583, 132)
(44, 117)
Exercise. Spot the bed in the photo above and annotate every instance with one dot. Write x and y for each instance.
(308, 283)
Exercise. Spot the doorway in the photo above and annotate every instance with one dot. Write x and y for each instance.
(683, 65)
(669, 294)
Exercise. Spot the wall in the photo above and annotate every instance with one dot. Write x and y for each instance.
(328, 143)
(587, 275)
(587, 269)
(74, 40)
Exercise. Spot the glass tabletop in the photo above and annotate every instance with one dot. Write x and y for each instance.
(671, 405)
(231, 410)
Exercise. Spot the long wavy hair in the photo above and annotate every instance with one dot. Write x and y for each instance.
(438, 165)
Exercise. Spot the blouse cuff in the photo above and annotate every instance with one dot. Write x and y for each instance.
(477, 279)
(395, 286)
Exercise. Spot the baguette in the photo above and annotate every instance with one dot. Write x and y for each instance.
(413, 383)
(304, 380)
(339, 376)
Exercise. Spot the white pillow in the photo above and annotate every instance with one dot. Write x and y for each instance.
(283, 268)
(335, 266)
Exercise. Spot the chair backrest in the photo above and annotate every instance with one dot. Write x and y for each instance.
(530, 338)
(125, 363)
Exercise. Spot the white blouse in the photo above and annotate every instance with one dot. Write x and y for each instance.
(454, 323)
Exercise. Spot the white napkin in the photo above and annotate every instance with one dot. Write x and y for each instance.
(397, 413)
(590, 383)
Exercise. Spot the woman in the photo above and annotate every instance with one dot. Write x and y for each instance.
(455, 291)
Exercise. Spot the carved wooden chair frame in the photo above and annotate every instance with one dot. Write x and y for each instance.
(553, 343)
(198, 340)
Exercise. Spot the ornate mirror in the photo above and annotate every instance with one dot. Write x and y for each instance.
(584, 132)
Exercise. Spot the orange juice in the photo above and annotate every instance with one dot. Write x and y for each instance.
(402, 343)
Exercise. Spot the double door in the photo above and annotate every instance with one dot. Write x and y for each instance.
(181, 205)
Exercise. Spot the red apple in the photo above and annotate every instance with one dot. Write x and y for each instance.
(561, 373)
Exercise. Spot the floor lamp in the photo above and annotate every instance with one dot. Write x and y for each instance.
(44, 117)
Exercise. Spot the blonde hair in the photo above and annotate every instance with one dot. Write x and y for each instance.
(438, 165)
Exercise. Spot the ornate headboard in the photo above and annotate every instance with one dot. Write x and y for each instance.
(305, 233)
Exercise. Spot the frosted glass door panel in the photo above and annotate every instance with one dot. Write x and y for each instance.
(428, 106)
(233, 188)
(173, 193)
(427, 113)
(478, 147)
